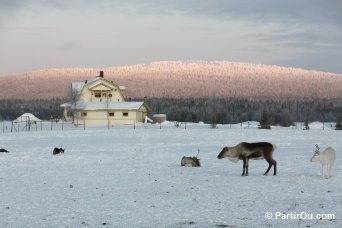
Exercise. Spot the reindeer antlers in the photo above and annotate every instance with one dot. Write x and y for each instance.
(197, 153)
(317, 147)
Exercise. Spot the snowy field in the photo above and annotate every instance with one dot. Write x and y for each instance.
(125, 177)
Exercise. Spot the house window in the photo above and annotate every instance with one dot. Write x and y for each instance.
(97, 94)
(111, 114)
(125, 114)
(84, 114)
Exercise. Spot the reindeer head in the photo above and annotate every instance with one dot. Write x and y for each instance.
(224, 153)
(316, 155)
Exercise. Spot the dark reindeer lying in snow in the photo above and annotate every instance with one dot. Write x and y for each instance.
(245, 151)
(3, 150)
(58, 151)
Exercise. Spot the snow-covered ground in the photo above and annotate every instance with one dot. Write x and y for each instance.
(125, 177)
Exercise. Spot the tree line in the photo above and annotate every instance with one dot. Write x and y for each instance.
(212, 110)
(230, 111)
(43, 109)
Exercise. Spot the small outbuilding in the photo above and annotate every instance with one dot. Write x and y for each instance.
(25, 120)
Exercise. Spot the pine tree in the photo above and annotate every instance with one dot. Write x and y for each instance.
(338, 125)
(306, 124)
(264, 121)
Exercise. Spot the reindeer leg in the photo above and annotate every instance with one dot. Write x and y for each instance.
(247, 165)
(275, 167)
(327, 172)
(323, 171)
(330, 170)
(244, 166)
(269, 167)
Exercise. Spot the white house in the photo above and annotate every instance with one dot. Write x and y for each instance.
(100, 102)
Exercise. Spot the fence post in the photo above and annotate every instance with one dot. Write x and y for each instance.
(29, 123)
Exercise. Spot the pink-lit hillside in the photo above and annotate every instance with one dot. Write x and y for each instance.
(178, 79)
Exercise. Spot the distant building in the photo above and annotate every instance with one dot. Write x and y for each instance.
(100, 102)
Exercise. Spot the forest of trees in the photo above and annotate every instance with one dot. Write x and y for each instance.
(213, 92)
(43, 109)
(179, 79)
(226, 111)
(210, 110)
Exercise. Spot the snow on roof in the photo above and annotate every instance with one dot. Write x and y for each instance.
(26, 117)
(68, 104)
(77, 86)
(109, 106)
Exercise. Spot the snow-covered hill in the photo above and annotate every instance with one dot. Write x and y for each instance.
(179, 79)
(125, 177)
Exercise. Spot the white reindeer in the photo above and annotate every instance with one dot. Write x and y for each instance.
(327, 158)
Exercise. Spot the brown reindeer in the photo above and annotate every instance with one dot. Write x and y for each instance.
(245, 151)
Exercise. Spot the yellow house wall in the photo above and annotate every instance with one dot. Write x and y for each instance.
(102, 118)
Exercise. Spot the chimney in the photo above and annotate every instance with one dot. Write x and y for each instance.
(101, 73)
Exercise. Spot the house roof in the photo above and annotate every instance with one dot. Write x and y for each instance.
(101, 82)
(95, 105)
(79, 85)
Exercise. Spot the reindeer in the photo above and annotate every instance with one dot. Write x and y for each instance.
(57, 150)
(3, 150)
(327, 158)
(191, 161)
(245, 151)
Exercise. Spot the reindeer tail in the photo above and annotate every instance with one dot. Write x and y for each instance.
(274, 146)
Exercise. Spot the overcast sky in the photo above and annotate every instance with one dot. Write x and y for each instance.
(40, 34)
